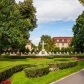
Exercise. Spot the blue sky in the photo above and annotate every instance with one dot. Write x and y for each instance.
(55, 18)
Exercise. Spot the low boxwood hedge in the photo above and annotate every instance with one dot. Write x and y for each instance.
(7, 72)
(37, 71)
(63, 59)
(63, 65)
(15, 57)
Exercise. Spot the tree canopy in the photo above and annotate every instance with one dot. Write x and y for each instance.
(49, 43)
(14, 26)
(82, 1)
(78, 30)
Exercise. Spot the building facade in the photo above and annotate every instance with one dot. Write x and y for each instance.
(62, 42)
(28, 46)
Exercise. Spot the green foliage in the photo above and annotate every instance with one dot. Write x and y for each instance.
(8, 71)
(37, 71)
(14, 27)
(69, 49)
(16, 57)
(65, 65)
(49, 43)
(28, 11)
(56, 49)
(82, 1)
(63, 59)
(52, 76)
(78, 30)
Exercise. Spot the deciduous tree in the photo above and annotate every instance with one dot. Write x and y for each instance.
(78, 30)
(49, 43)
(14, 27)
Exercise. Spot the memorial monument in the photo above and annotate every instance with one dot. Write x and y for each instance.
(43, 52)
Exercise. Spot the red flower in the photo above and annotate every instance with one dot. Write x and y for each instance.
(6, 82)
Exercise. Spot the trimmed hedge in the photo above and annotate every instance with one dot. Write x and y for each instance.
(63, 65)
(6, 73)
(15, 57)
(37, 71)
(63, 59)
(48, 57)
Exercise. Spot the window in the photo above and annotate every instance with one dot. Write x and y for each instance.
(68, 40)
(57, 44)
(62, 40)
(57, 40)
(62, 44)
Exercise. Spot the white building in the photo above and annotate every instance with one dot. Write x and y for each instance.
(62, 42)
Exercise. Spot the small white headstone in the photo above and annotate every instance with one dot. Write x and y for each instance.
(10, 53)
(7, 53)
(33, 53)
(29, 52)
(60, 53)
(75, 52)
(67, 52)
(79, 52)
(57, 53)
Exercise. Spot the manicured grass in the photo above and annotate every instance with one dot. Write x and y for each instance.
(4, 63)
(20, 78)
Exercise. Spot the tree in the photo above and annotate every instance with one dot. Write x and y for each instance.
(14, 28)
(82, 1)
(49, 43)
(56, 49)
(78, 30)
(28, 11)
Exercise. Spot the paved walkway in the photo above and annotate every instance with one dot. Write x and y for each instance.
(76, 78)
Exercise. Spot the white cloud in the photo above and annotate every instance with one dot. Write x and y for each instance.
(54, 10)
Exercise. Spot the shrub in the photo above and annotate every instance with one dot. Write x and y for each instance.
(16, 57)
(4, 74)
(64, 65)
(63, 59)
(37, 71)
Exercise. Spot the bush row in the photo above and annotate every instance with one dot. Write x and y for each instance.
(63, 65)
(66, 64)
(48, 57)
(4, 74)
(37, 71)
(15, 57)
(63, 59)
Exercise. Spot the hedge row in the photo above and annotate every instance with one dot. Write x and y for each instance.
(63, 65)
(37, 71)
(48, 57)
(63, 59)
(66, 64)
(4, 74)
(15, 57)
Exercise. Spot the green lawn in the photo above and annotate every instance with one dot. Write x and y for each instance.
(20, 78)
(11, 62)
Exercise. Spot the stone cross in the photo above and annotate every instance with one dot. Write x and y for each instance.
(43, 44)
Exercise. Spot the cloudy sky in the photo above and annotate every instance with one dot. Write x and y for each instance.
(55, 18)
